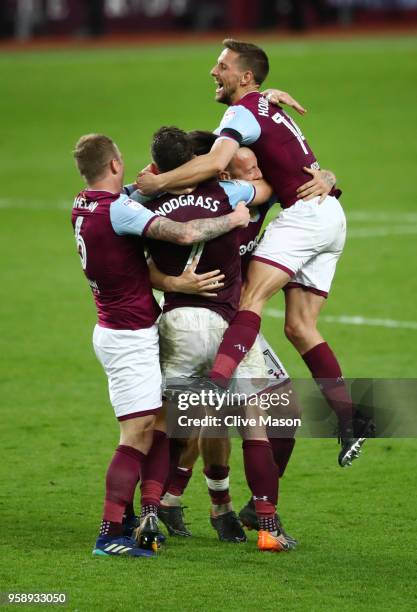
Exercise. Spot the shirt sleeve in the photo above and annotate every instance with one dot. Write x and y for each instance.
(135, 194)
(129, 189)
(239, 124)
(130, 217)
(238, 191)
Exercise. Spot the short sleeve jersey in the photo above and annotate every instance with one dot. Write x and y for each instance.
(278, 143)
(211, 199)
(108, 229)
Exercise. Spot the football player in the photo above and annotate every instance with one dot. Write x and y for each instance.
(300, 248)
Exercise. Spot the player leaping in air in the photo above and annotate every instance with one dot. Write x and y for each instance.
(217, 451)
(301, 246)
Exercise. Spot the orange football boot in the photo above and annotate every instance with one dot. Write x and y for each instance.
(268, 541)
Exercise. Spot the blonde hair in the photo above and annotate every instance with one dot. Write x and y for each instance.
(92, 154)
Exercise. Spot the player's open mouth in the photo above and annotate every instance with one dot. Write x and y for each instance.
(219, 86)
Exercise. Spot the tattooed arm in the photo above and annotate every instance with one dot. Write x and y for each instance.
(198, 230)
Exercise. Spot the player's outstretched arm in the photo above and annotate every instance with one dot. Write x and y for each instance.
(198, 230)
(320, 185)
(276, 96)
(188, 282)
(193, 172)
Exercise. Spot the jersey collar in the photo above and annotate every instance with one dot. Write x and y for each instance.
(249, 93)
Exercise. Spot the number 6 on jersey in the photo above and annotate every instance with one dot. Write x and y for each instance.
(81, 248)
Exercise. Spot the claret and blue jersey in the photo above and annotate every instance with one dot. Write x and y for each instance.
(277, 141)
(210, 199)
(108, 229)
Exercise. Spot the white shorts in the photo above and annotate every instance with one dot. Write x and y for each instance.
(130, 359)
(275, 368)
(306, 241)
(189, 341)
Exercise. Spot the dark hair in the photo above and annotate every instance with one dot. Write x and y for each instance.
(251, 58)
(92, 153)
(201, 141)
(171, 148)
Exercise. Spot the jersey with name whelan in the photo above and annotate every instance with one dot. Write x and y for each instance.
(277, 141)
(108, 229)
(209, 200)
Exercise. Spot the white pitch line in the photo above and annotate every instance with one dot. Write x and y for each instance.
(35, 204)
(379, 232)
(355, 232)
(348, 320)
(381, 216)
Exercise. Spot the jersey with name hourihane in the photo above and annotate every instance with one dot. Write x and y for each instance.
(278, 143)
(209, 200)
(108, 229)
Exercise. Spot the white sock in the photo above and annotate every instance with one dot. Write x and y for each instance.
(171, 500)
(218, 509)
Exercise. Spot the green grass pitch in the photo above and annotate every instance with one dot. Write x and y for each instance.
(356, 527)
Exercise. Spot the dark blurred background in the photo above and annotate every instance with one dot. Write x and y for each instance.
(25, 19)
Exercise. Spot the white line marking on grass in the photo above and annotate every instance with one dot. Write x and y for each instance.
(355, 232)
(380, 216)
(45, 204)
(380, 232)
(349, 320)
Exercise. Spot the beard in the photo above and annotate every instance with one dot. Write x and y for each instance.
(225, 96)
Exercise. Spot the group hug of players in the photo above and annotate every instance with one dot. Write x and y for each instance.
(198, 209)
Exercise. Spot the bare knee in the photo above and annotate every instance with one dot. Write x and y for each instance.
(189, 454)
(252, 299)
(138, 432)
(302, 333)
(263, 281)
(215, 451)
(296, 330)
(302, 309)
(160, 420)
